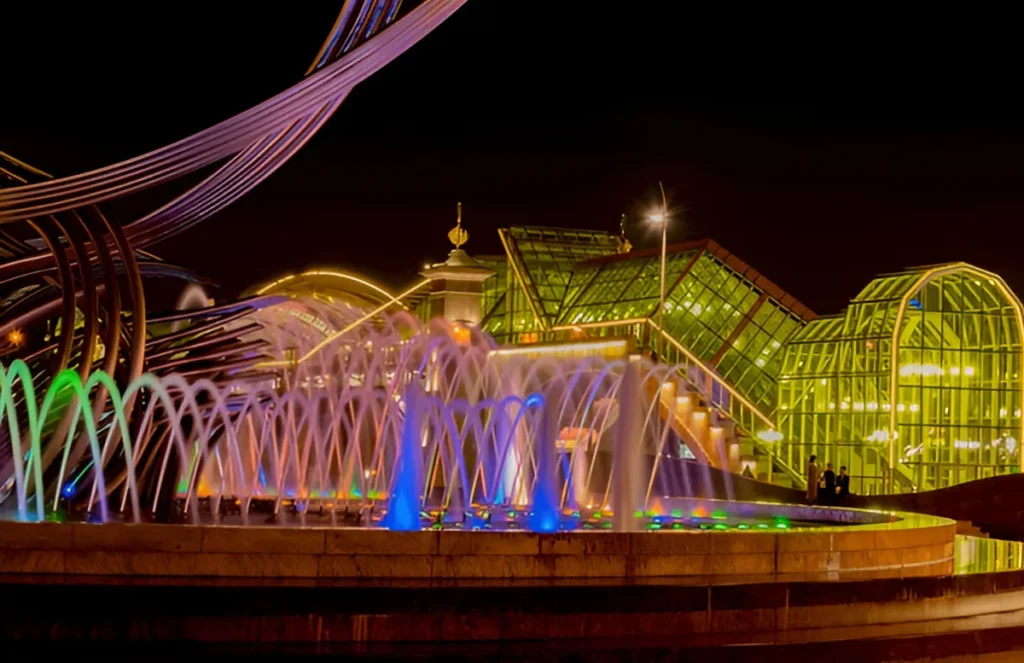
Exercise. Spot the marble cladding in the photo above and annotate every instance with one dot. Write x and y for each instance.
(296, 552)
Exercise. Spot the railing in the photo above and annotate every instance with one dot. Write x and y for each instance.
(724, 398)
(716, 392)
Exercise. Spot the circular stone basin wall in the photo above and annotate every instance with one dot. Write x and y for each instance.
(869, 544)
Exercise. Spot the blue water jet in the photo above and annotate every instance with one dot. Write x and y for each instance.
(544, 517)
(404, 503)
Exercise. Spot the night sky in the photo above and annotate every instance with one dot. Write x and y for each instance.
(822, 149)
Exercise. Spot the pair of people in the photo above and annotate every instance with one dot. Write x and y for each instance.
(826, 487)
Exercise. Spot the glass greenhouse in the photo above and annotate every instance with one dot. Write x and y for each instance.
(950, 410)
(920, 374)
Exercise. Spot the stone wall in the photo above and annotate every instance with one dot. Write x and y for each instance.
(914, 546)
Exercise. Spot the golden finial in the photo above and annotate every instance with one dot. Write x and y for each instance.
(458, 235)
(624, 245)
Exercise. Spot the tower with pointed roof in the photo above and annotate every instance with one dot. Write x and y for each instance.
(457, 283)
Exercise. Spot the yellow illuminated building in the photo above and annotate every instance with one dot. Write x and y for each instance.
(915, 386)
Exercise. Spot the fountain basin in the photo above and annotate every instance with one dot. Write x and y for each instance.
(867, 544)
(668, 513)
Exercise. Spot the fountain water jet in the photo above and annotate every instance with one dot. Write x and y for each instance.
(192, 297)
(497, 432)
(404, 502)
(544, 517)
(627, 490)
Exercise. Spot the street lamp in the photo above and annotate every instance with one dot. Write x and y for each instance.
(661, 217)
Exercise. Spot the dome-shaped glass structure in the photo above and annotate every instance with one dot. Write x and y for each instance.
(916, 386)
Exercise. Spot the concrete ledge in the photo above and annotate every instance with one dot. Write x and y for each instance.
(381, 542)
(913, 546)
(142, 537)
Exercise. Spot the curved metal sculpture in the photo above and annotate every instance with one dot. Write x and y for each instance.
(261, 137)
(75, 264)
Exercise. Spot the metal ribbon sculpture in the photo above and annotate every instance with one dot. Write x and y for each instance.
(76, 262)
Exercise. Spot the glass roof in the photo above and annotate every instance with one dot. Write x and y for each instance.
(620, 290)
(828, 382)
(872, 313)
(934, 403)
(716, 305)
(544, 258)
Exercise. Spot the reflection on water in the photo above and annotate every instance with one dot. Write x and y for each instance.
(977, 555)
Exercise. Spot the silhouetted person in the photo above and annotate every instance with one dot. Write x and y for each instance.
(829, 479)
(812, 480)
(842, 484)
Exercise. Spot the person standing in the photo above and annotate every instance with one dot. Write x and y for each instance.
(812, 480)
(830, 485)
(842, 484)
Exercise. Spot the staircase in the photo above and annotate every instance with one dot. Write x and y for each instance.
(717, 423)
(713, 438)
(741, 422)
(697, 425)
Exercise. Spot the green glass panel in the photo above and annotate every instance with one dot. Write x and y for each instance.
(547, 257)
(957, 371)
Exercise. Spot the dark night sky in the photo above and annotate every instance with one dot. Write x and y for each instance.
(820, 148)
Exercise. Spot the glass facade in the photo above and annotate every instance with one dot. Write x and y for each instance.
(949, 412)
(729, 316)
(915, 387)
(529, 289)
(506, 314)
(620, 289)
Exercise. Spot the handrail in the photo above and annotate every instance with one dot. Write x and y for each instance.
(734, 396)
(798, 479)
(889, 477)
(711, 374)
(745, 407)
(728, 401)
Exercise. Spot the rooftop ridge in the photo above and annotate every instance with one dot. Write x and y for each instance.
(730, 259)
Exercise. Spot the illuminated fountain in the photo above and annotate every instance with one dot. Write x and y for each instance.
(432, 419)
(389, 423)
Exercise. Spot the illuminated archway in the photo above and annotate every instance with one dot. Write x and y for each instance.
(955, 364)
(917, 385)
(360, 290)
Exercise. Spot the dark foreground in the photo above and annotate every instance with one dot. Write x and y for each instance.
(972, 617)
(997, 645)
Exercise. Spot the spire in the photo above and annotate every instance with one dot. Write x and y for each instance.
(457, 285)
(624, 245)
(458, 235)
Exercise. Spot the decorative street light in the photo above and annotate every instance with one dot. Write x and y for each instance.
(661, 217)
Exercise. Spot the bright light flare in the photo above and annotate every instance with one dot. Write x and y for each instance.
(461, 334)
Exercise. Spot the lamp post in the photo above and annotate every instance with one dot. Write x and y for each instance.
(662, 218)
